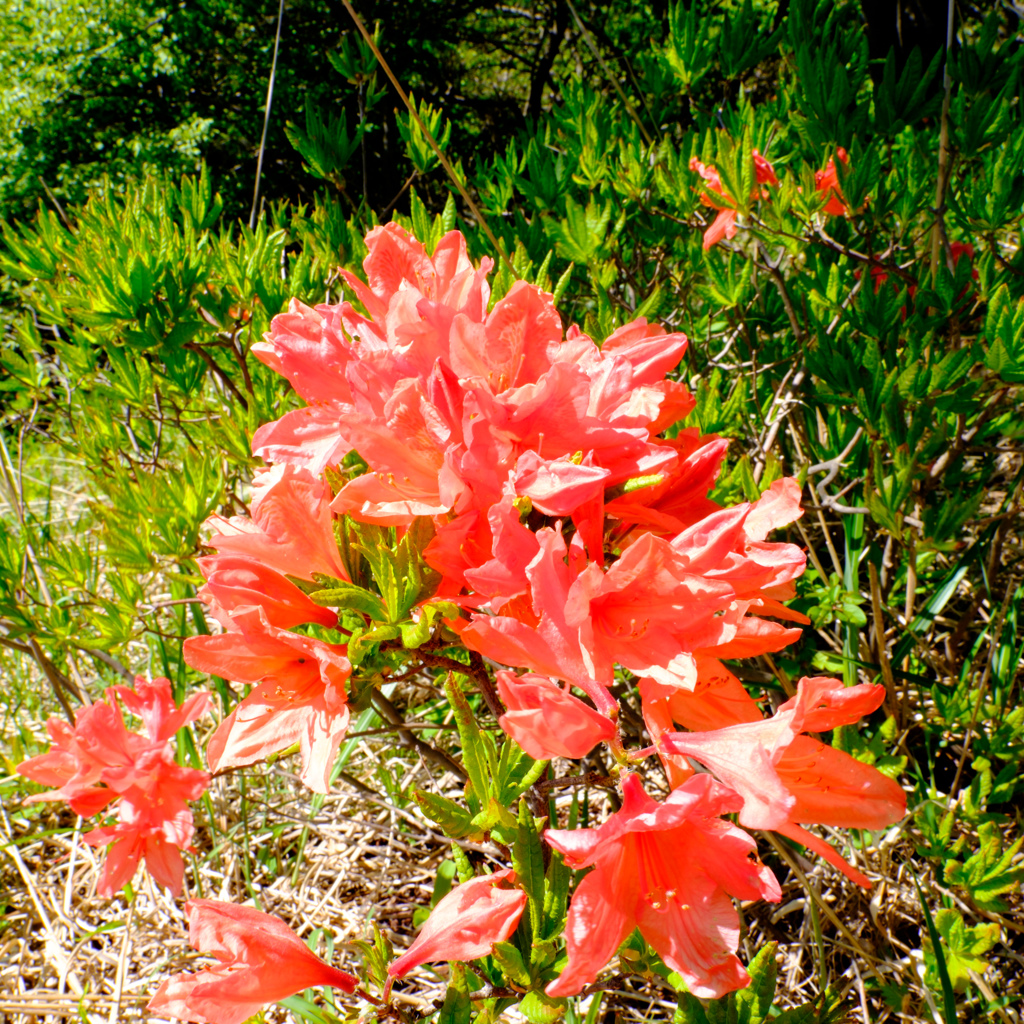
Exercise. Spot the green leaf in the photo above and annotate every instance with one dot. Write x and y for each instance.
(539, 1008)
(689, 1011)
(462, 863)
(991, 872)
(510, 960)
(933, 606)
(417, 146)
(528, 863)
(376, 954)
(362, 644)
(963, 946)
(473, 752)
(455, 821)
(515, 773)
(691, 45)
(457, 1007)
(581, 233)
(348, 595)
(754, 1001)
(498, 819)
(556, 895)
(562, 284)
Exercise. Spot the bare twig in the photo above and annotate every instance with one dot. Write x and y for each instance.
(880, 651)
(439, 757)
(428, 135)
(266, 118)
(938, 229)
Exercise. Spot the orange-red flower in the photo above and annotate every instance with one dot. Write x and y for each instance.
(658, 606)
(151, 700)
(785, 778)
(668, 869)
(717, 700)
(442, 397)
(466, 923)
(724, 225)
(154, 820)
(261, 961)
(235, 583)
(291, 529)
(547, 721)
(301, 696)
(79, 755)
(100, 761)
(827, 181)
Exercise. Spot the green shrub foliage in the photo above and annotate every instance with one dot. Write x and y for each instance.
(862, 329)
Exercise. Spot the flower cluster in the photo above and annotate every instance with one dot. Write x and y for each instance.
(100, 763)
(572, 531)
(826, 183)
(298, 693)
(724, 224)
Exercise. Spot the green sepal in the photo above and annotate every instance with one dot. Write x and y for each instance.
(510, 960)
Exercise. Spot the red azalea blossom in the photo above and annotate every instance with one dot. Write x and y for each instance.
(466, 923)
(659, 605)
(668, 869)
(79, 755)
(235, 583)
(547, 721)
(575, 541)
(291, 530)
(785, 778)
(827, 181)
(724, 224)
(261, 961)
(100, 762)
(301, 696)
(442, 397)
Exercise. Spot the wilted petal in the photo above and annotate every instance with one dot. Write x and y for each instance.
(466, 923)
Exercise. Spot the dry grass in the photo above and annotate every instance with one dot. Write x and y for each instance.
(66, 954)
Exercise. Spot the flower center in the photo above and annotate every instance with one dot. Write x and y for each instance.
(657, 877)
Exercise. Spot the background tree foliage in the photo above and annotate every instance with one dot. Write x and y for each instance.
(871, 355)
(120, 88)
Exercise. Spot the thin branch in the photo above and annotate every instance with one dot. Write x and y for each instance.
(388, 711)
(588, 39)
(939, 228)
(218, 370)
(429, 136)
(266, 118)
